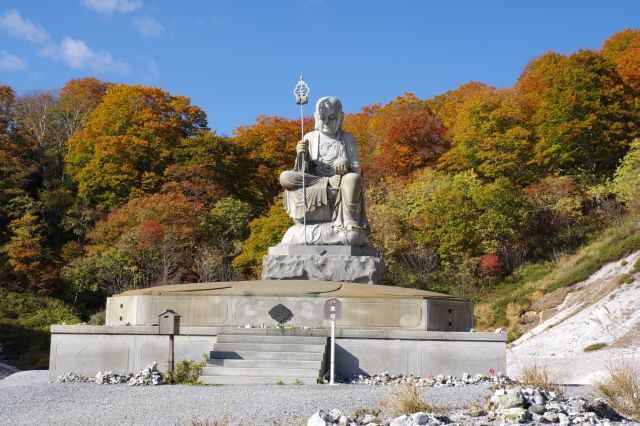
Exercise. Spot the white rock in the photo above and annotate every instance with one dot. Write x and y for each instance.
(420, 419)
(316, 420)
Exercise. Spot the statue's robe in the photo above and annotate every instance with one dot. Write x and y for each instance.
(337, 206)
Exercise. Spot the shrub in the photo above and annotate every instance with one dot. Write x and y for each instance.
(186, 372)
(99, 318)
(540, 376)
(621, 388)
(594, 347)
(406, 399)
(25, 319)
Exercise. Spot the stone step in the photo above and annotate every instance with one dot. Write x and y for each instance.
(255, 380)
(301, 332)
(252, 338)
(252, 363)
(257, 355)
(261, 372)
(268, 347)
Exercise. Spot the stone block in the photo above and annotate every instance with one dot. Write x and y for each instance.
(354, 269)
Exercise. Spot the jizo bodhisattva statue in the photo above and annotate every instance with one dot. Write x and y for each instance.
(335, 213)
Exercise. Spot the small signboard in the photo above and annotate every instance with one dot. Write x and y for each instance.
(333, 309)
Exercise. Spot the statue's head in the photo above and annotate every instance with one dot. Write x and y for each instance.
(329, 115)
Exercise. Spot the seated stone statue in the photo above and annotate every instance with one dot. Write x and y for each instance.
(327, 160)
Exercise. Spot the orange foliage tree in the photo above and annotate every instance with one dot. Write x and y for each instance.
(128, 141)
(267, 148)
(623, 49)
(406, 136)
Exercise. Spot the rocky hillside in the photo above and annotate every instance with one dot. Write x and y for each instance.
(577, 331)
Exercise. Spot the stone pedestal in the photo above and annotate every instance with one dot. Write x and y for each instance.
(323, 262)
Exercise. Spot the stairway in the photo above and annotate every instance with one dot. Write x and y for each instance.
(254, 357)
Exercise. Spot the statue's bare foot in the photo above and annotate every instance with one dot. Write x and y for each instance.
(353, 227)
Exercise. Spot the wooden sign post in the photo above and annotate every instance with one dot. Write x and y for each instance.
(332, 312)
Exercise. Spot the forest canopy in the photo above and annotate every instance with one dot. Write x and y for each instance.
(109, 187)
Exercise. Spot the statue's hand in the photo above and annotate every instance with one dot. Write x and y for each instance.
(302, 147)
(334, 181)
(342, 166)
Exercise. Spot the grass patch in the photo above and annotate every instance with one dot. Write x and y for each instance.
(361, 412)
(540, 376)
(186, 372)
(516, 290)
(624, 279)
(279, 383)
(594, 347)
(25, 320)
(621, 388)
(406, 399)
(224, 421)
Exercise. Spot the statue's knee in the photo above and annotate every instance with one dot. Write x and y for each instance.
(286, 179)
(352, 179)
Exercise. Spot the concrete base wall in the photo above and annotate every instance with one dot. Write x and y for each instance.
(308, 311)
(88, 349)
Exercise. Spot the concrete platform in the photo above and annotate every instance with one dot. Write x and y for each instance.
(248, 302)
(383, 328)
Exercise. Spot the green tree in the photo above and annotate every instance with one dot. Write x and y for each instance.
(266, 231)
(626, 183)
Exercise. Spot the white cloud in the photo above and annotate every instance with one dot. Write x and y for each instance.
(110, 6)
(148, 26)
(152, 70)
(15, 25)
(11, 62)
(76, 54)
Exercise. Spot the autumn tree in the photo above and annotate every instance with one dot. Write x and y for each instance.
(623, 49)
(26, 251)
(266, 149)
(128, 141)
(555, 215)
(359, 125)
(406, 136)
(537, 78)
(490, 133)
(586, 119)
(148, 241)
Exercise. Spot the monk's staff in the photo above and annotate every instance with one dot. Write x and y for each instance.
(302, 91)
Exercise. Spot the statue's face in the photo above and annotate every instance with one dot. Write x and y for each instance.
(328, 119)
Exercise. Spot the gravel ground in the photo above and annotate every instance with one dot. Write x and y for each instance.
(27, 398)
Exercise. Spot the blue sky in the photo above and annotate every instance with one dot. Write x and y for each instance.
(239, 59)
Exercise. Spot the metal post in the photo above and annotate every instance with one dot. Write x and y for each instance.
(333, 352)
(171, 347)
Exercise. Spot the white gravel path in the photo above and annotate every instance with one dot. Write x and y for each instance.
(27, 398)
